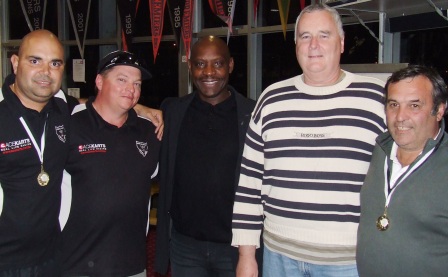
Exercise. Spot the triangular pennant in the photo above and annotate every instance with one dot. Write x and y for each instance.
(176, 11)
(127, 10)
(35, 16)
(80, 8)
(283, 8)
(156, 12)
(223, 10)
(187, 26)
(256, 9)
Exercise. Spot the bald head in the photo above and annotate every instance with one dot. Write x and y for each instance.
(39, 35)
(208, 42)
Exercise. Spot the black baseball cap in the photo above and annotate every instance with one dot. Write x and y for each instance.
(122, 58)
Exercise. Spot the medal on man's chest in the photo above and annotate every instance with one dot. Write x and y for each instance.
(43, 178)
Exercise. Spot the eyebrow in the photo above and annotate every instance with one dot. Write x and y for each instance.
(410, 101)
(40, 59)
(127, 77)
(320, 32)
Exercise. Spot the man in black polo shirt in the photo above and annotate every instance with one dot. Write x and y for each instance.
(199, 168)
(113, 156)
(33, 149)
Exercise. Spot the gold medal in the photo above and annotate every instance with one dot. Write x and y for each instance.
(43, 178)
(382, 223)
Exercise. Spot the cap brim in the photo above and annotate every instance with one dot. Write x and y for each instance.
(145, 72)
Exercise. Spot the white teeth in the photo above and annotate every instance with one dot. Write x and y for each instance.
(403, 128)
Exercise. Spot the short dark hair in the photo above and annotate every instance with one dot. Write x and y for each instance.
(439, 90)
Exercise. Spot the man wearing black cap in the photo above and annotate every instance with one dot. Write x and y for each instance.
(113, 156)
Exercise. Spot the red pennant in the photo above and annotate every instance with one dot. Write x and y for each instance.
(256, 9)
(187, 26)
(156, 12)
(302, 4)
(223, 10)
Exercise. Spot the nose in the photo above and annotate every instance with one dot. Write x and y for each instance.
(209, 70)
(130, 87)
(46, 69)
(401, 114)
(314, 43)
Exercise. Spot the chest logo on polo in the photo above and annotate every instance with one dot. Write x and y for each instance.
(61, 133)
(92, 148)
(142, 147)
(15, 146)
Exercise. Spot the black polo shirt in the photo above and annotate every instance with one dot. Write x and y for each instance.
(29, 228)
(110, 172)
(207, 153)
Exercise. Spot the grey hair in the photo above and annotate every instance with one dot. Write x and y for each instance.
(321, 7)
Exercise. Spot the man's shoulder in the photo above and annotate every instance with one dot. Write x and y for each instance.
(242, 100)
(283, 83)
(357, 78)
(174, 102)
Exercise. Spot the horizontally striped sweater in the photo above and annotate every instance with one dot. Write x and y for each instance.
(306, 154)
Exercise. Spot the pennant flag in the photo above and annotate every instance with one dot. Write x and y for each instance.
(127, 10)
(302, 4)
(256, 9)
(224, 9)
(156, 12)
(80, 8)
(176, 10)
(34, 13)
(283, 8)
(220, 9)
(187, 26)
(230, 23)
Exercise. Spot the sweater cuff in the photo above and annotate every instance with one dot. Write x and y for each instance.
(246, 237)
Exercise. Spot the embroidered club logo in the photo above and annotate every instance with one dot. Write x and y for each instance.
(142, 147)
(61, 133)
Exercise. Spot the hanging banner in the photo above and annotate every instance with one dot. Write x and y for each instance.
(220, 9)
(187, 26)
(34, 12)
(127, 10)
(79, 12)
(224, 9)
(176, 10)
(156, 12)
(256, 9)
(283, 8)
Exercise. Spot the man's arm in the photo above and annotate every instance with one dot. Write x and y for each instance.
(247, 264)
(154, 115)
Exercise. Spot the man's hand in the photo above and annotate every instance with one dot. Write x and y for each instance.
(247, 264)
(154, 115)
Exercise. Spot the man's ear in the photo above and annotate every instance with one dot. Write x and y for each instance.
(14, 63)
(231, 65)
(441, 111)
(99, 82)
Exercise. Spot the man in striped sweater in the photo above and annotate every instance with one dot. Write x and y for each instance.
(307, 151)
